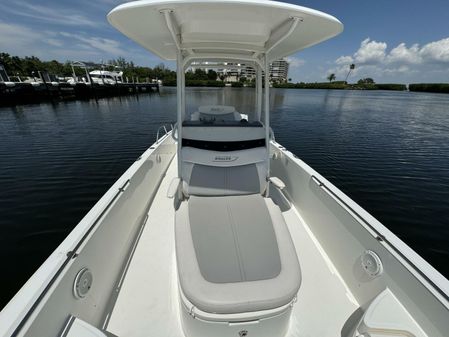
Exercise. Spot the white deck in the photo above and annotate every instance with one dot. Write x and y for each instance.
(148, 299)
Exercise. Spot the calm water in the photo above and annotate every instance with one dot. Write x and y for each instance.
(388, 151)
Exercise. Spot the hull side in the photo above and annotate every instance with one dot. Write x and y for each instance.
(346, 231)
(101, 242)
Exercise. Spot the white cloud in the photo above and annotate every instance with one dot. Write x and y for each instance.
(114, 2)
(401, 63)
(23, 41)
(370, 52)
(109, 46)
(436, 51)
(49, 14)
(344, 60)
(402, 54)
(16, 36)
(20, 40)
(103, 5)
(54, 42)
(295, 62)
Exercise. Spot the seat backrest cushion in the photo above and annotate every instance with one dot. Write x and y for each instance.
(216, 173)
(213, 180)
(221, 133)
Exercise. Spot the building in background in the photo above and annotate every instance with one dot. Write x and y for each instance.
(231, 72)
(226, 71)
(235, 72)
(249, 73)
(279, 71)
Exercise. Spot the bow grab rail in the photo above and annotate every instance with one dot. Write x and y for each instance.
(158, 130)
(272, 135)
(174, 131)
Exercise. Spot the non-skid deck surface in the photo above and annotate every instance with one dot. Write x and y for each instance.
(148, 301)
(324, 303)
(148, 304)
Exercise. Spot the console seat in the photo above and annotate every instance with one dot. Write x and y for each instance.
(235, 254)
(238, 271)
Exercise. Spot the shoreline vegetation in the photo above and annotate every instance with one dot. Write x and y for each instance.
(27, 67)
(341, 85)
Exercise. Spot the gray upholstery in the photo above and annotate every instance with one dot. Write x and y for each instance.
(233, 249)
(236, 244)
(215, 173)
(241, 132)
(211, 180)
(235, 254)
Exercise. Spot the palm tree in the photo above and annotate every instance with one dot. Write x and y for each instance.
(331, 77)
(351, 68)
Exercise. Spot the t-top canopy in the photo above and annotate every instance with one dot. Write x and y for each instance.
(227, 29)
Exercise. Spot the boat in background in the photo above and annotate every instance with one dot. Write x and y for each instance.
(100, 77)
(106, 77)
(219, 230)
(4, 78)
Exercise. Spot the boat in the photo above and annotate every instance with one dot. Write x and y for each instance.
(4, 78)
(100, 77)
(219, 230)
(106, 77)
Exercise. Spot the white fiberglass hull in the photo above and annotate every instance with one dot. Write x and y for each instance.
(126, 243)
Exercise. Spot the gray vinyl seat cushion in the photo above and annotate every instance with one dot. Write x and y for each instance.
(235, 254)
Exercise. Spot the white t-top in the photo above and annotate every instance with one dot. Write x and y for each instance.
(230, 28)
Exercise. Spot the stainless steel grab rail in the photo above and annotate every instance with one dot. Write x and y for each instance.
(158, 130)
(174, 131)
(272, 135)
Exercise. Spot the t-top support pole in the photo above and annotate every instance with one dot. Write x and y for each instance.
(258, 92)
(180, 100)
(267, 111)
(180, 79)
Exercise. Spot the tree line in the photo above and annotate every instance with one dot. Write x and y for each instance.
(29, 66)
(362, 84)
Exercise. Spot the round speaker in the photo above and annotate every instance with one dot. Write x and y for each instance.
(372, 263)
(83, 283)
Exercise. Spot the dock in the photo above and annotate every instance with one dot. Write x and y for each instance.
(15, 93)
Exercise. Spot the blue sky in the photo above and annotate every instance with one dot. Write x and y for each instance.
(390, 41)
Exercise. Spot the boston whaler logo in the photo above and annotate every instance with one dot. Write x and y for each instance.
(225, 158)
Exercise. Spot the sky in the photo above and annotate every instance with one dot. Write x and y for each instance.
(391, 41)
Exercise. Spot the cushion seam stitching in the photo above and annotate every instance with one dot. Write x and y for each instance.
(236, 243)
